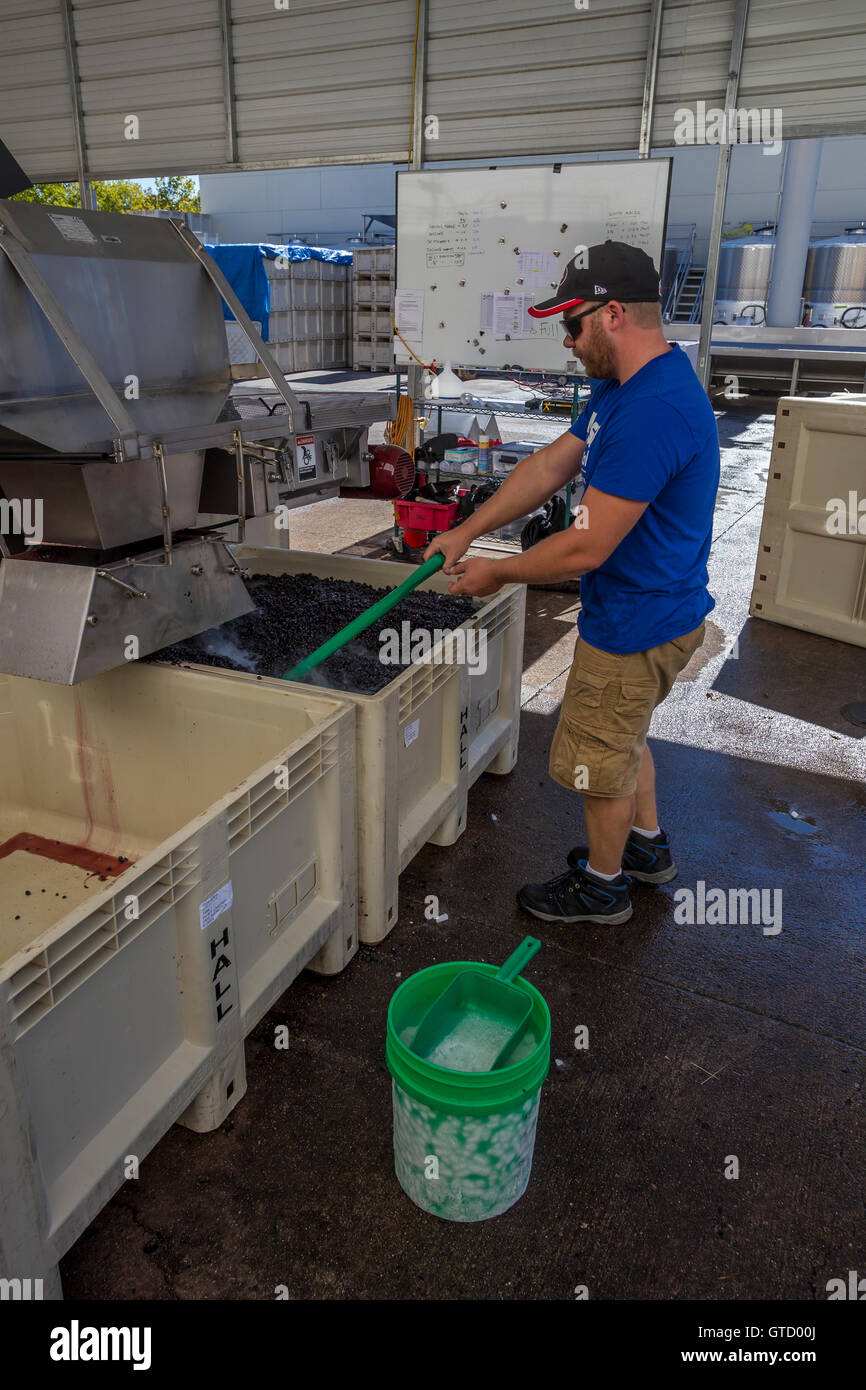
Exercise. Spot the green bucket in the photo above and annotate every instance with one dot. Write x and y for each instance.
(463, 1141)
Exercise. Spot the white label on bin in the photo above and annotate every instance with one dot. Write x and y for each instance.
(410, 733)
(214, 906)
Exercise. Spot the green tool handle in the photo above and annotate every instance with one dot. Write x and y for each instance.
(518, 959)
(365, 619)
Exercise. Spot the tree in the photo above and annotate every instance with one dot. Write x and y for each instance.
(176, 192)
(62, 195)
(121, 195)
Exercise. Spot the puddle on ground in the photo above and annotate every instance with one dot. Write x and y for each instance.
(791, 821)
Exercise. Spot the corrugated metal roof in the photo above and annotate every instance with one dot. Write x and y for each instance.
(329, 81)
(35, 94)
(507, 78)
(162, 63)
(808, 59)
(694, 57)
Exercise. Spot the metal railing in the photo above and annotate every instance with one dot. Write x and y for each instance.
(694, 316)
(684, 265)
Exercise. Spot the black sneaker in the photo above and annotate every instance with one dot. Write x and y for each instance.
(577, 896)
(645, 857)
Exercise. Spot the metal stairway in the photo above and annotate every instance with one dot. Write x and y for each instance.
(687, 308)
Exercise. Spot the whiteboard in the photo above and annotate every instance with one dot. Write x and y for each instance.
(471, 242)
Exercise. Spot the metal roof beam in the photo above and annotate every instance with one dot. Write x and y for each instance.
(419, 83)
(87, 199)
(414, 374)
(711, 278)
(229, 94)
(649, 81)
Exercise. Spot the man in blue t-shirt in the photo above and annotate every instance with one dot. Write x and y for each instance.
(648, 447)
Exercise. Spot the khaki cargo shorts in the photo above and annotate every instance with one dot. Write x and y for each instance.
(606, 712)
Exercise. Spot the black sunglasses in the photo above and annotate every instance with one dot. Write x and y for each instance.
(572, 326)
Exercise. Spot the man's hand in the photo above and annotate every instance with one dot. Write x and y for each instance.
(476, 577)
(451, 544)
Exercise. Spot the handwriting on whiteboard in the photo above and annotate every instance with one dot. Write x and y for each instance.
(628, 225)
(449, 242)
(545, 328)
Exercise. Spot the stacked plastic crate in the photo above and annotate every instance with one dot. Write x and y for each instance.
(373, 308)
(308, 323)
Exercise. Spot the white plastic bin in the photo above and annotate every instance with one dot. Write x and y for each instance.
(374, 323)
(240, 348)
(425, 738)
(810, 571)
(124, 1001)
(285, 356)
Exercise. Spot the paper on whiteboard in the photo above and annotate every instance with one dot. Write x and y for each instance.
(507, 318)
(486, 311)
(527, 301)
(409, 315)
(510, 318)
(537, 268)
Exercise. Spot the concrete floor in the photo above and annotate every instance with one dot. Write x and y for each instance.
(705, 1041)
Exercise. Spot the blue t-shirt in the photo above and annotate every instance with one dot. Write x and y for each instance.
(652, 440)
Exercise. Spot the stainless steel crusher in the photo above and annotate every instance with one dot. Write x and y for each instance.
(118, 436)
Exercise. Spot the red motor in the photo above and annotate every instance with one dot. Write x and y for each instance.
(392, 474)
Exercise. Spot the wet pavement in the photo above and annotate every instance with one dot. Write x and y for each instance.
(713, 1047)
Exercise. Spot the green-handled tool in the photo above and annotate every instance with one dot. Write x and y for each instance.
(365, 619)
(477, 1022)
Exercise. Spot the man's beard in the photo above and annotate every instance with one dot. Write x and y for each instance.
(596, 354)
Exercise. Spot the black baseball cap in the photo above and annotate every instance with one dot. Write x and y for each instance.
(612, 270)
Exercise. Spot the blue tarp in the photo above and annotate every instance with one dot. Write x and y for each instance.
(243, 265)
(307, 253)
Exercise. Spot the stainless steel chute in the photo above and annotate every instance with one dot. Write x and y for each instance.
(115, 432)
(137, 301)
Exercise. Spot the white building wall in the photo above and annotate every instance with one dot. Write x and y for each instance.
(326, 205)
(754, 184)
